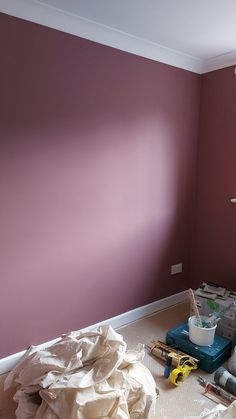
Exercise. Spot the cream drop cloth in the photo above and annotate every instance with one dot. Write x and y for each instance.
(218, 412)
(83, 376)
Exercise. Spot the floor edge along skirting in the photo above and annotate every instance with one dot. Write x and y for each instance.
(7, 363)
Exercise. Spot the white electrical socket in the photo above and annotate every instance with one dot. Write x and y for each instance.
(176, 269)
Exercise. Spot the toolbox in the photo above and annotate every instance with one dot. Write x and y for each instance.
(210, 357)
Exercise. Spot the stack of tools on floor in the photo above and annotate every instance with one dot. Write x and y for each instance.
(210, 357)
(194, 344)
(219, 303)
(197, 338)
(224, 387)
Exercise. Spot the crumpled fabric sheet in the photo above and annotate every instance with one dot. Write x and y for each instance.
(84, 375)
(220, 412)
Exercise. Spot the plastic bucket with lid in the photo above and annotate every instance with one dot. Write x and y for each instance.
(202, 336)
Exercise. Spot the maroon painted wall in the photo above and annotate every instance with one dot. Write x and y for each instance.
(98, 152)
(214, 245)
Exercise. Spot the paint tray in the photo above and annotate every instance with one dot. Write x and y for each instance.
(210, 357)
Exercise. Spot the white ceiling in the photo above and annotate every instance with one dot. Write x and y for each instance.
(198, 35)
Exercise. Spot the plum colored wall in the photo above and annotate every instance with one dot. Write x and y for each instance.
(215, 228)
(98, 152)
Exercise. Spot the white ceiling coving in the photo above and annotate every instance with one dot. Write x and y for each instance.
(197, 35)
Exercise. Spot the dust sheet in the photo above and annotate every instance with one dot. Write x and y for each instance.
(83, 376)
(219, 412)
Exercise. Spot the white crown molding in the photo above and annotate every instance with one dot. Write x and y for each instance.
(37, 12)
(221, 61)
(52, 17)
(6, 364)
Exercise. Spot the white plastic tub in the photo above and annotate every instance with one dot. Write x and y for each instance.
(202, 336)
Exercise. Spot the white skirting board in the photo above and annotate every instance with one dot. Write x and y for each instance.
(6, 364)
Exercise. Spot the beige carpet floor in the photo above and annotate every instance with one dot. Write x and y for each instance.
(184, 402)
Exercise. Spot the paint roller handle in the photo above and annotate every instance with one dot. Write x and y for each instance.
(195, 307)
